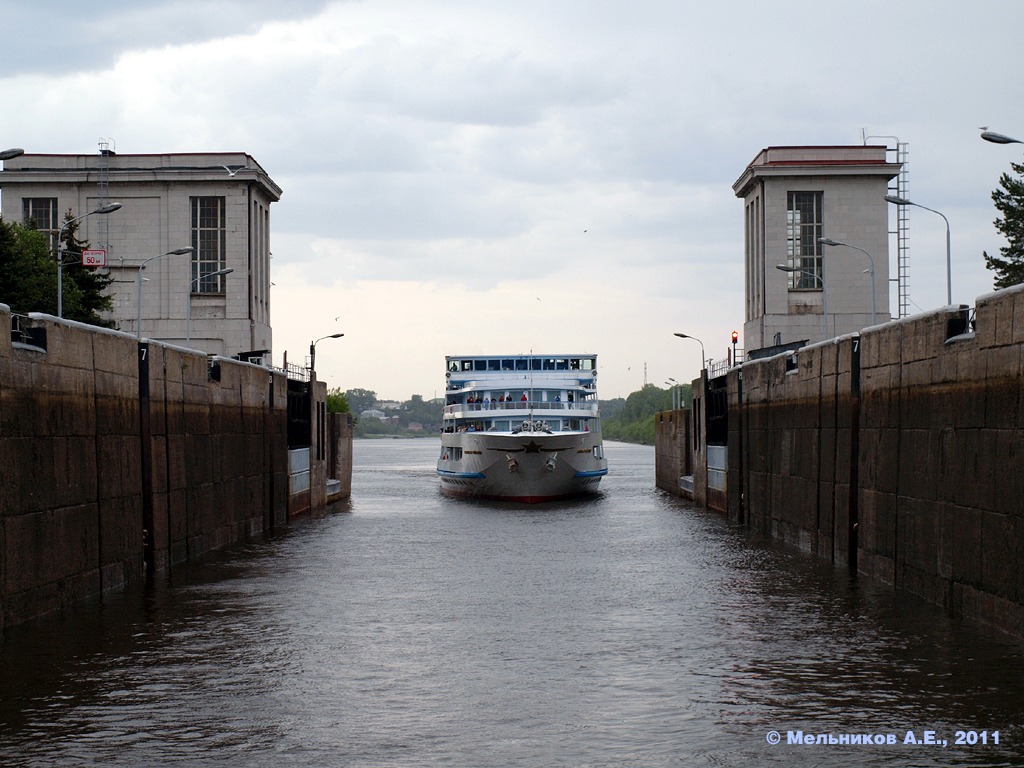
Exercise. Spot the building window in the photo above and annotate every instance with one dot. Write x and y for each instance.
(40, 212)
(209, 239)
(803, 228)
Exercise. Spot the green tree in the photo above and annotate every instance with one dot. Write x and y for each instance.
(1009, 200)
(28, 279)
(85, 288)
(336, 401)
(632, 420)
(28, 275)
(360, 400)
(426, 413)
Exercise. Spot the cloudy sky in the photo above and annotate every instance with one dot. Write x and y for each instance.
(477, 177)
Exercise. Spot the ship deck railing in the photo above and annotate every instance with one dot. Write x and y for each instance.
(520, 406)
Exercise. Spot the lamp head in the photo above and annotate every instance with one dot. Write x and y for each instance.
(998, 138)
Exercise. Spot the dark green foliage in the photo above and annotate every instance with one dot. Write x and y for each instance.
(416, 410)
(1009, 200)
(85, 295)
(28, 276)
(360, 400)
(336, 401)
(28, 279)
(632, 420)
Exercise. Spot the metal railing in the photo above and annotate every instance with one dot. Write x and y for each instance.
(24, 331)
(521, 405)
(721, 367)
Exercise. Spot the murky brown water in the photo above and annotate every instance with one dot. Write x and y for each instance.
(409, 629)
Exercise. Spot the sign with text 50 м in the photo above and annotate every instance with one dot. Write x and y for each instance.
(94, 257)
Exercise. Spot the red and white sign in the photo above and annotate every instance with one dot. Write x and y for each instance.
(95, 257)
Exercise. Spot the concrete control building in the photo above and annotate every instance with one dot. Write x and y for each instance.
(794, 197)
(216, 203)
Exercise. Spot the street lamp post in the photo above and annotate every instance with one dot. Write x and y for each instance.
(10, 154)
(672, 387)
(103, 209)
(188, 300)
(949, 264)
(312, 352)
(827, 241)
(824, 293)
(175, 252)
(703, 357)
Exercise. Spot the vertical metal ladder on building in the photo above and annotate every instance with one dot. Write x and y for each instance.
(902, 154)
(902, 245)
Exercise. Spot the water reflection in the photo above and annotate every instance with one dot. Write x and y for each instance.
(411, 629)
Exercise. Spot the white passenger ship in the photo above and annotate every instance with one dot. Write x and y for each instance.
(521, 428)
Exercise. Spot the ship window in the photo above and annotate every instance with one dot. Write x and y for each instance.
(562, 365)
(587, 364)
(523, 364)
(453, 366)
(479, 365)
(494, 365)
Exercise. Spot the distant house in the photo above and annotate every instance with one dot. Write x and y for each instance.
(390, 405)
(373, 413)
(415, 426)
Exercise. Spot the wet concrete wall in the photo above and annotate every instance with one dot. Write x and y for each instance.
(672, 449)
(216, 468)
(896, 453)
(70, 487)
(792, 461)
(119, 459)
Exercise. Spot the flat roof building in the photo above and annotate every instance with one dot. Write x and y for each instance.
(217, 204)
(795, 197)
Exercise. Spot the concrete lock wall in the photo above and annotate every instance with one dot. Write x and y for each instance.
(791, 457)
(70, 492)
(896, 453)
(119, 458)
(216, 470)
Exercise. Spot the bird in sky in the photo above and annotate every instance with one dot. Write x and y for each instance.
(230, 172)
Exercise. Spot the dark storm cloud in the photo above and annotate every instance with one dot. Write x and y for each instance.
(66, 36)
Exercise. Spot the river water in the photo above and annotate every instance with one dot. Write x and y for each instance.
(406, 629)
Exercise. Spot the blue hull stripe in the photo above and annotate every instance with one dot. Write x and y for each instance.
(469, 475)
(594, 473)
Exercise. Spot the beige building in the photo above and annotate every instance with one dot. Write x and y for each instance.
(794, 198)
(217, 204)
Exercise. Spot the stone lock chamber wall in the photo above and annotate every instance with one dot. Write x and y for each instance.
(897, 452)
(119, 458)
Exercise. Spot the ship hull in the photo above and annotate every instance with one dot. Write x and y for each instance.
(524, 467)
